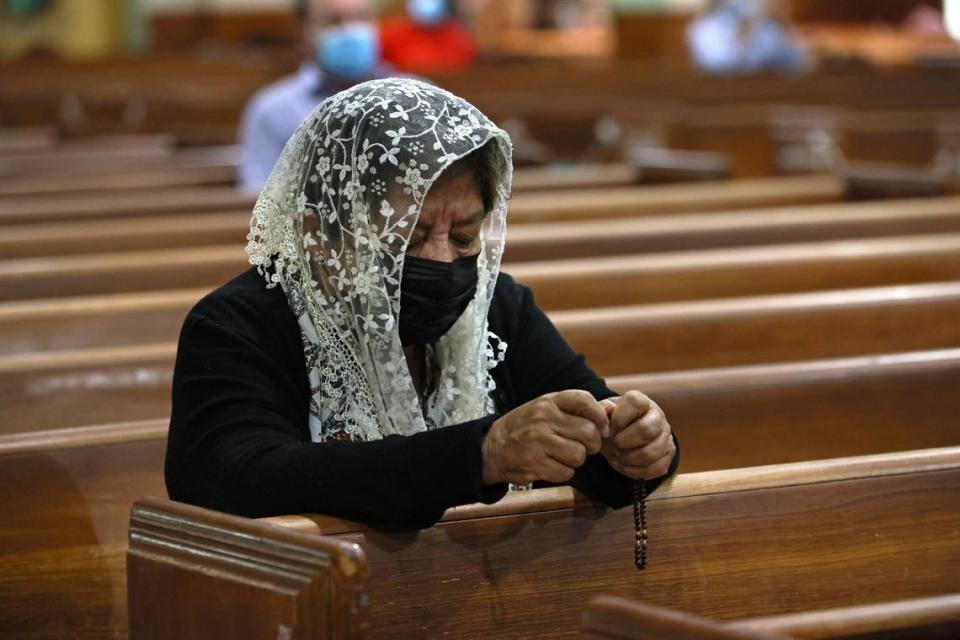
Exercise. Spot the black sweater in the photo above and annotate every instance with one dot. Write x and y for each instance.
(239, 440)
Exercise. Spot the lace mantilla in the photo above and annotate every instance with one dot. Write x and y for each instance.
(331, 228)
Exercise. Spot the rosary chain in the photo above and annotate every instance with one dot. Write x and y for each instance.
(640, 523)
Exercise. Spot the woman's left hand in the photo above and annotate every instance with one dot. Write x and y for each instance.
(641, 445)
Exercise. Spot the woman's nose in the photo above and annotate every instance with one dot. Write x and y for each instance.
(440, 250)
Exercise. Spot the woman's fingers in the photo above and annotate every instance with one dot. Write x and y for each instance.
(580, 430)
(631, 406)
(649, 472)
(643, 430)
(649, 453)
(565, 451)
(577, 402)
(551, 470)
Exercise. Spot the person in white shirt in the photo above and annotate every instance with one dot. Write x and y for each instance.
(342, 41)
(744, 36)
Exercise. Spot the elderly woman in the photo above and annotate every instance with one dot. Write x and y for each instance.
(375, 364)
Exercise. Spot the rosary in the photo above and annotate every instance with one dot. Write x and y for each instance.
(640, 523)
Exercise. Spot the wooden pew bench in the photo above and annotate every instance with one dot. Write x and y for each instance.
(610, 618)
(714, 333)
(154, 316)
(221, 168)
(120, 180)
(62, 537)
(771, 413)
(13, 189)
(727, 544)
(105, 153)
(728, 417)
(902, 402)
(533, 207)
(123, 269)
(731, 229)
(81, 384)
(19, 139)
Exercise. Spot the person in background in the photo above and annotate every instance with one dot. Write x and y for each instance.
(925, 20)
(432, 37)
(343, 48)
(745, 36)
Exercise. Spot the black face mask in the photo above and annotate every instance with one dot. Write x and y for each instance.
(433, 295)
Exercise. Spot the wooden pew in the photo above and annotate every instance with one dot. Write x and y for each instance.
(902, 401)
(298, 585)
(62, 537)
(906, 399)
(532, 207)
(610, 618)
(124, 271)
(146, 202)
(715, 273)
(772, 413)
(932, 617)
(91, 385)
(117, 181)
(181, 172)
(715, 333)
(870, 181)
(153, 316)
(83, 387)
(18, 139)
(86, 386)
(105, 153)
(729, 544)
(731, 229)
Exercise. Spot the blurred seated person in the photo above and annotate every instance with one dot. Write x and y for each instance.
(925, 20)
(342, 49)
(431, 37)
(745, 36)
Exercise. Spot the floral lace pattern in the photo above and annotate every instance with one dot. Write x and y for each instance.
(331, 228)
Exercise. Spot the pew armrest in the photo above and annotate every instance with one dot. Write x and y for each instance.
(196, 573)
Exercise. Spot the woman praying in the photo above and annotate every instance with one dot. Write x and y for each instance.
(374, 363)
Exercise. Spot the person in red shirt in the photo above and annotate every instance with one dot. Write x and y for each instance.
(430, 38)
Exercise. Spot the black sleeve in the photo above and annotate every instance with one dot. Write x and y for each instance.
(239, 443)
(543, 362)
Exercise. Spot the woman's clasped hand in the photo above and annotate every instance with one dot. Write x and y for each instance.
(550, 437)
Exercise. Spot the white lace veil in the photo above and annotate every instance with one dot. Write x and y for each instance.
(331, 227)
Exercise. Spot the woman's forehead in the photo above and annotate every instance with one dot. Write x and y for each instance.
(452, 202)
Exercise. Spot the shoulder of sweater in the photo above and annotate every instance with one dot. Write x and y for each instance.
(510, 305)
(245, 301)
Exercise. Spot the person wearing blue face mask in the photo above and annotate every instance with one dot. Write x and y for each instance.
(342, 44)
(428, 12)
(745, 36)
(431, 38)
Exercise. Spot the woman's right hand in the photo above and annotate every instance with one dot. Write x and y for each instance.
(546, 439)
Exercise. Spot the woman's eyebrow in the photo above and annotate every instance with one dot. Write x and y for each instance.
(477, 216)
